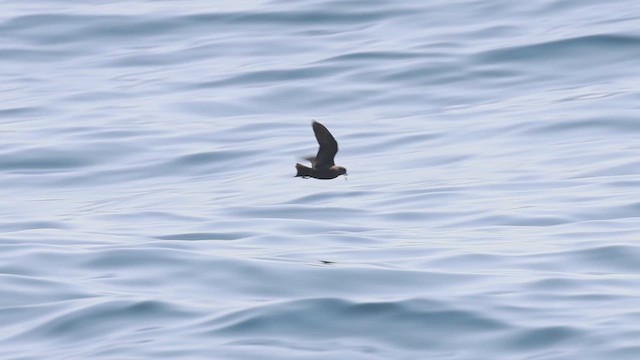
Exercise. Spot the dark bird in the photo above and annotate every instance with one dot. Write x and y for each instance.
(322, 165)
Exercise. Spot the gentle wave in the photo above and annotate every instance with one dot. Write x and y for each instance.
(150, 208)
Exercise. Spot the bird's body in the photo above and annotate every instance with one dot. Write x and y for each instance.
(322, 173)
(322, 165)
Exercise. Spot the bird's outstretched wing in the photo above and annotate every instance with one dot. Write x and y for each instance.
(311, 159)
(328, 147)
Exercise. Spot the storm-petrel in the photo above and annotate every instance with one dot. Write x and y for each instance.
(322, 166)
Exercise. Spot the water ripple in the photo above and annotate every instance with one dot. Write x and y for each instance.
(150, 208)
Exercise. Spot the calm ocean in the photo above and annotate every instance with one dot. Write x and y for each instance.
(149, 209)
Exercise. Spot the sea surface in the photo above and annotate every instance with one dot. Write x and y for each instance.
(149, 208)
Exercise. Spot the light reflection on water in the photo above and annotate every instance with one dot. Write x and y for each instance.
(151, 211)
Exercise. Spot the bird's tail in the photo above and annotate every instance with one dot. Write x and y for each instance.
(303, 170)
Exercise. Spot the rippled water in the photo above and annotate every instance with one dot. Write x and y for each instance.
(150, 209)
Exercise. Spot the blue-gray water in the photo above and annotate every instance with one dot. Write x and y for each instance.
(149, 208)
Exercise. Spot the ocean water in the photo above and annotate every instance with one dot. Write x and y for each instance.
(149, 208)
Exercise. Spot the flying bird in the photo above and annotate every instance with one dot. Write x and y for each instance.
(322, 165)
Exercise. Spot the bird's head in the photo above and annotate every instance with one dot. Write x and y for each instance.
(341, 170)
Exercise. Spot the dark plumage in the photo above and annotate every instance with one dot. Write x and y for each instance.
(322, 165)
